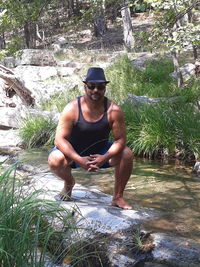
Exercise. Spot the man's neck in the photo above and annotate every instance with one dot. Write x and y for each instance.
(92, 103)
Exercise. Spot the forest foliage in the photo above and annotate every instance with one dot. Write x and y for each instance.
(33, 23)
(23, 22)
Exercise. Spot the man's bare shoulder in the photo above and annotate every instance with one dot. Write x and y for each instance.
(114, 112)
(70, 111)
(113, 107)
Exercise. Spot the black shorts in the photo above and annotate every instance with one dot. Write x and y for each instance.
(103, 151)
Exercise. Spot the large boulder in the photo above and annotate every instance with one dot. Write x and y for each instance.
(187, 71)
(42, 73)
(9, 118)
(36, 57)
(45, 81)
(9, 138)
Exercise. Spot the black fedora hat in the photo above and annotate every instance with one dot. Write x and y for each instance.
(95, 75)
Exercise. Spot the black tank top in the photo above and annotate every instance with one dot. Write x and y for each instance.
(90, 137)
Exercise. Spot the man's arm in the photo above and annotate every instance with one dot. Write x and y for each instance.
(64, 129)
(116, 119)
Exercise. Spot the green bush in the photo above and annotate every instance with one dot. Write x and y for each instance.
(122, 76)
(160, 129)
(37, 131)
(163, 129)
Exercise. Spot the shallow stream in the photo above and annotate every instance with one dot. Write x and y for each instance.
(169, 188)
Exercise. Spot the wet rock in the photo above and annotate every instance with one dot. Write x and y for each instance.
(176, 251)
(196, 168)
(93, 204)
(26, 168)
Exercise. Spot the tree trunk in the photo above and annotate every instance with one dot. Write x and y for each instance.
(99, 25)
(195, 52)
(76, 7)
(33, 35)
(177, 69)
(2, 42)
(128, 29)
(27, 34)
(194, 47)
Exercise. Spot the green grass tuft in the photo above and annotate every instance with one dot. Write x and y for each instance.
(37, 131)
(26, 223)
(154, 81)
(163, 129)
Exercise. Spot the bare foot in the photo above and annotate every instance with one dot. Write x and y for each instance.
(65, 194)
(63, 197)
(121, 203)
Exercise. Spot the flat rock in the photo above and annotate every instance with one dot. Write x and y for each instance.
(94, 206)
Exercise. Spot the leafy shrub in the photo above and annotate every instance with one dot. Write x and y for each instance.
(37, 131)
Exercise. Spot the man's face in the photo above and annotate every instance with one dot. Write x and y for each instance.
(95, 91)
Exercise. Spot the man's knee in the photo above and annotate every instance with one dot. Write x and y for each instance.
(56, 160)
(127, 154)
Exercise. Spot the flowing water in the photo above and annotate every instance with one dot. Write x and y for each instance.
(170, 189)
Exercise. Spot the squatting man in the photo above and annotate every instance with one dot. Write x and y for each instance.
(82, 138)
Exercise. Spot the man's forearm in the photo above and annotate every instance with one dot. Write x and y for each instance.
(67, 149)
(116, 148)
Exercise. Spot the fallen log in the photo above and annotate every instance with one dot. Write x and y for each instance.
(12, 86)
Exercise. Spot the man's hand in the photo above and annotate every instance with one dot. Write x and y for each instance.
(85, 163)
(96, 161)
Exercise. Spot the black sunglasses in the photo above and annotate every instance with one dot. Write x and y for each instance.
(99, 87)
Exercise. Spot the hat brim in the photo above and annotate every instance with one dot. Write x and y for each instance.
(96, 81)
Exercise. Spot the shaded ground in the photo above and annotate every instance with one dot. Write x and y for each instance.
(113, 39)
(82, 38)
